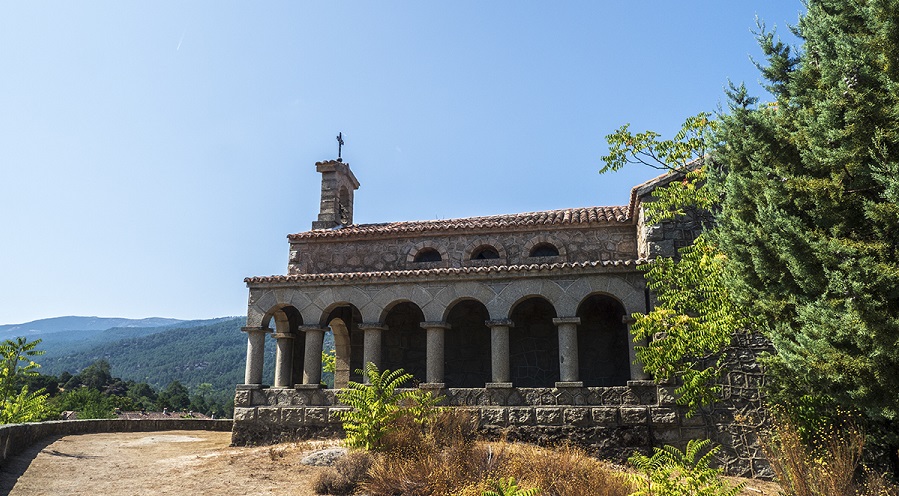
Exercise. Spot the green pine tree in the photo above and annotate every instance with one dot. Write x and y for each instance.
(810, 217)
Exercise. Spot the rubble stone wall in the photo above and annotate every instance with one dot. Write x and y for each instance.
(609, 422)
(395, 253)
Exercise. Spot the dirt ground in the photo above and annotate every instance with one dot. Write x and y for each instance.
(157, 463)
(172, 462)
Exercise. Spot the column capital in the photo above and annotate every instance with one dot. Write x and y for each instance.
(567, 320)
(252, 329)
(628, 319)
(499, 323)
(435, 325)
(311, 328)
(374, 326)
(283, 335)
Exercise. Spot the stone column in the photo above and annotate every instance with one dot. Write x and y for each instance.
(372, 342)
(255, 353)
(568, 359)
(283, 359)
(499, 351)
(637, 372)
(312, 361)
(435, 351)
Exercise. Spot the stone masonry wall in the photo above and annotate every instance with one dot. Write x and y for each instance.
(609, 422)
(380, 254)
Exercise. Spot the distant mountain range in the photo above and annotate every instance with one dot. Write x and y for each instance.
(61, 324)
(155, 350)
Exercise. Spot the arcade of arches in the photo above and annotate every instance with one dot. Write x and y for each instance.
(534, 346)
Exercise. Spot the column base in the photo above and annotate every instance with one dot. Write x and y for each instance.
(569, 384)
(307, 386)
(432, 385)
(249, 387)
(498, 385)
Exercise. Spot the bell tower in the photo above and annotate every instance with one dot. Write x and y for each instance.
(338, 186)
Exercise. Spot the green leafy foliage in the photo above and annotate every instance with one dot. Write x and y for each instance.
(694, 319)
(810, 218)
(17, 403)
(509, 487)
(378, 404)
(671, 472)
(691, 143)
(690, 328)
(90, 403)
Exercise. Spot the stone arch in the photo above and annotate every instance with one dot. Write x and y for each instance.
(287, 321)
(480, 243)
(544, 239)
(467, 345)
(342, 320)
(534, 344)
(427, 245)
(603, 341)
(404, 342)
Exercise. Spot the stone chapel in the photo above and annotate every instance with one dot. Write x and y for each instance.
(522, 318)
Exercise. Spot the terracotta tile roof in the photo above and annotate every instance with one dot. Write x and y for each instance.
(569, 216)
(399, 274)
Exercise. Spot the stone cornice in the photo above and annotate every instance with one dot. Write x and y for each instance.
(495, 271)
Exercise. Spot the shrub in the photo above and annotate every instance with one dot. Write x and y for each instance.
(670, 472)
(823, 461)
(471, 469)
(378, 405)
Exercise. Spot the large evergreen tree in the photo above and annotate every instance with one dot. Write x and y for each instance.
(810, 216)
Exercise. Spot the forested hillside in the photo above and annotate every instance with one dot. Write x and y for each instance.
(213, 353)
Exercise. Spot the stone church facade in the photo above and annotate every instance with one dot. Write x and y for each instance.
(522, 318)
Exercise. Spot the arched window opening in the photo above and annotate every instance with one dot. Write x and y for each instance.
(404, 343)
(467, 345)
(427, 255)
(485, 252)
(602, 340)
(534, 344)
(286, 320)
(348, 344)
(544, 250)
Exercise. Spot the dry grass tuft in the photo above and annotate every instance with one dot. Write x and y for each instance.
(346, 475)
(826, 465)
(443, 458)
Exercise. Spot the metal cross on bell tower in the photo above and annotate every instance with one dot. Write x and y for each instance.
(339, 146)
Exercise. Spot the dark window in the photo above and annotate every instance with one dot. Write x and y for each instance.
(485, 253)
(544, 250)
(428, 255)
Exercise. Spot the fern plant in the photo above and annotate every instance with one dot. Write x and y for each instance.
(509, 487)
(670, 472)
(378, 404)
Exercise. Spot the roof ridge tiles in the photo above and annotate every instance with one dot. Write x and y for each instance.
(580, 215)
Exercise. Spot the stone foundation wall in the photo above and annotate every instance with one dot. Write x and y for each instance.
(610, 422)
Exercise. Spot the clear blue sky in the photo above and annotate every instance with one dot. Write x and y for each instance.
(153, 154)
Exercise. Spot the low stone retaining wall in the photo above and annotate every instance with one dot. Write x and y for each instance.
(14, 438)
(609, 422)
